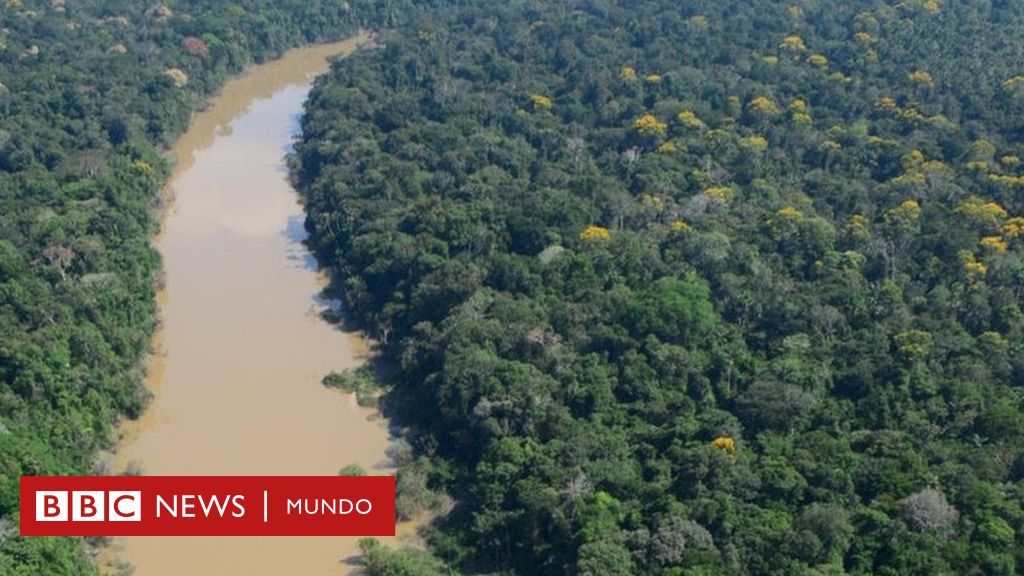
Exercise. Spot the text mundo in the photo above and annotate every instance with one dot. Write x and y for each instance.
(342, 506)
(160, 505)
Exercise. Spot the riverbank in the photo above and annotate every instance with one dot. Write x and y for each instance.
(236, 373)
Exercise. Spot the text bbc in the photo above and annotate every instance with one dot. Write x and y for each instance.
(89, 506)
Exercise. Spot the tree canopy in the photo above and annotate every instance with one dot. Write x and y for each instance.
(692, 288)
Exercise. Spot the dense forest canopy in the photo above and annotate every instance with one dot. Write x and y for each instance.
(691, 287)
(90, 92)
(662, 287)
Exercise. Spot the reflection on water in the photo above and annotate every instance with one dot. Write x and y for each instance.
(295, 233)
(242, 349)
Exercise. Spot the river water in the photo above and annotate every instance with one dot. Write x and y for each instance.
(236, 374)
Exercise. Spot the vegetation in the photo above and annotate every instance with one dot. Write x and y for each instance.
(381, 561)
(665, 288)
(691, 288)
(352, 470)
(360, 382)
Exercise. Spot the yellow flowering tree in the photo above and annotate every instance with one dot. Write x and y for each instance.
(973, 269)
(725, 444)
(718, 192)
(839, 78)
(754, 143)
(913, 115)
(921, 78)
(904, 215)
(698, 22)
(915, 345)
(649, 125)
(784, 222)
(858, 227)
(818, 60)
(1007, 180)
(919, 172)
(668, 148)
(994, 243)
(829, 146)
(177, 76)
(540, 102)
(799, 111)
(864, 38)
(912, 161)
(1014, 227)
(763, 108)
(143, 167)
(793, 43)
(887, 103)
(627, 73)
(595, 234)
(652, 201)
(983, 150)
(690, 120)
(1014, 86)
(988, 214)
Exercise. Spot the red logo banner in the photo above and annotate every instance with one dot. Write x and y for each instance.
(207, 505)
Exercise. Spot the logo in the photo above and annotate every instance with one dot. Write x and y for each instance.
(207, 506)
(88, 506)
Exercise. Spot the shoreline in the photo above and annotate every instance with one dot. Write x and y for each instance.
(205, 128)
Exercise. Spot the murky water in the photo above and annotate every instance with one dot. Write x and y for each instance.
(242, 350)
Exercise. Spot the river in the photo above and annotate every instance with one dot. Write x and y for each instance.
(238, 361)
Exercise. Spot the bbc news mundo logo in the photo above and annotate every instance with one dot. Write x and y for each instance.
(89, 506)
(207, 506)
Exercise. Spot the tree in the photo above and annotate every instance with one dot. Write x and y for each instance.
(602, 558)
(831, 525)
(675, 310)
(676, 539)
(929, 511)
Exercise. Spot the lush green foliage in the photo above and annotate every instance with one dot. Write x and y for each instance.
(693, 287)
(89, 91)
(382, 561)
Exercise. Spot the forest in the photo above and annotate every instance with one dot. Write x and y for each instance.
(689, 288)
(660, 287)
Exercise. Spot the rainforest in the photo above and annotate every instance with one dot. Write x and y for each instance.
(655, 287)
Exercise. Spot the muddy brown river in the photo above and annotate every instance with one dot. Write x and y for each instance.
(237, 369)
